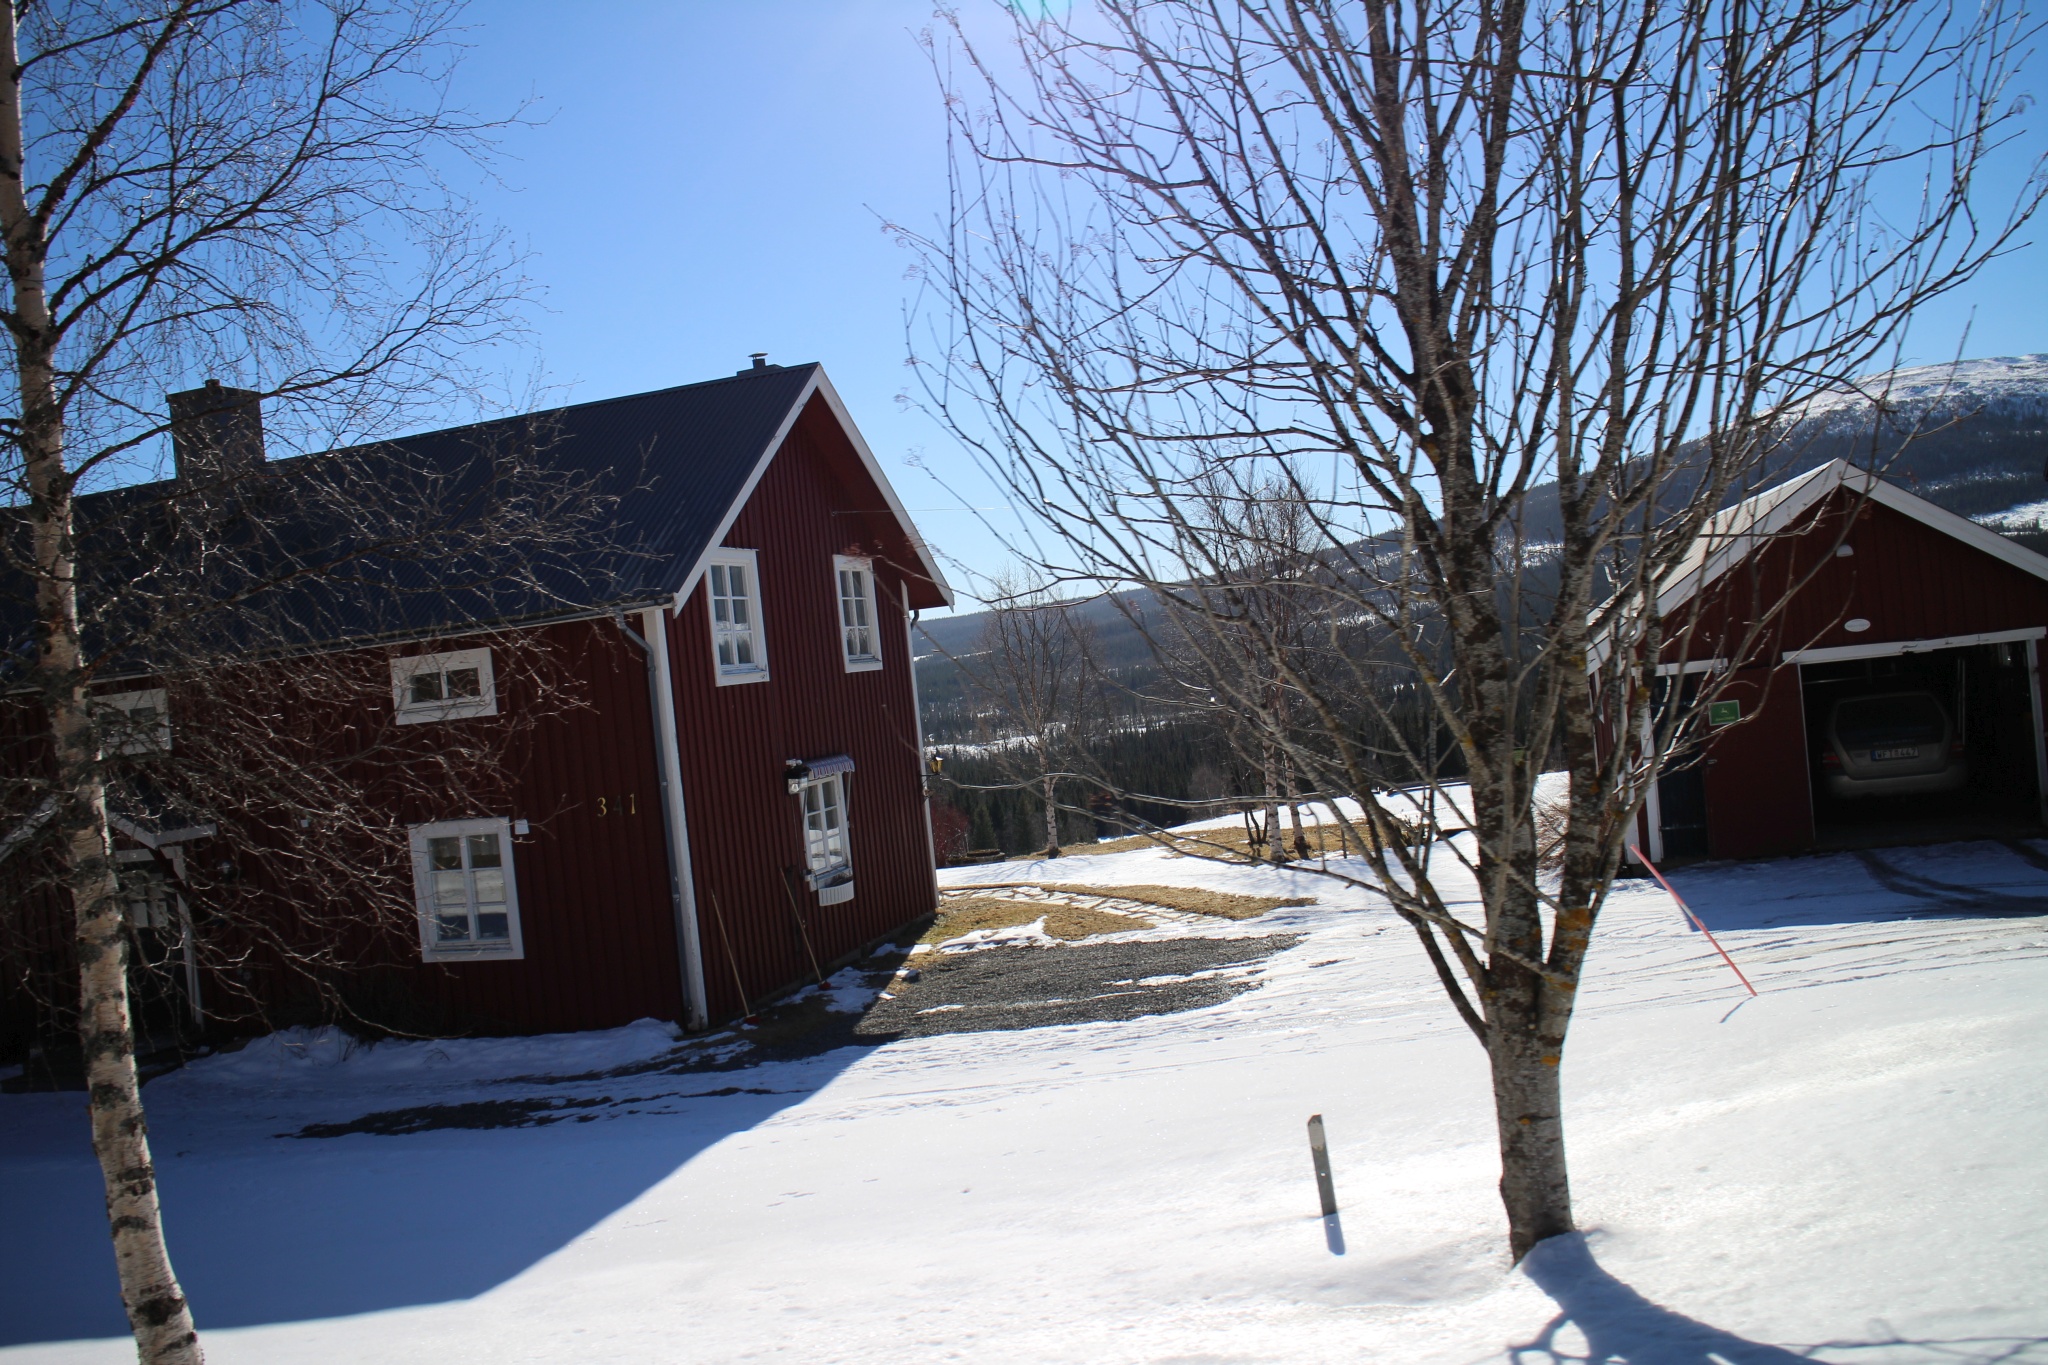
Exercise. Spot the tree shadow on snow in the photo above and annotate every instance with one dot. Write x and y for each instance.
(1615, 1324)
(393, 1209)
(1982, 880)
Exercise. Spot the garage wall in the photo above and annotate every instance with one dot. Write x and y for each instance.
(1759, 791)
(1909, 580)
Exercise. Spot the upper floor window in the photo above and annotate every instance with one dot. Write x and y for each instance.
(446, 686)
(469, 902)
(857, 635)
(134, 722)
(736, 645)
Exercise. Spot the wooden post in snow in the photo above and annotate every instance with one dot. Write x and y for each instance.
(1319, 1153)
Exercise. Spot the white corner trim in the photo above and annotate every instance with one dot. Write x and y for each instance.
(817, 384)
(1808, 490)
(1790, 504)
(895, 504)
(683, 884)
(1962, 528)
(924, 789)
(739, 502)
(1883, 649)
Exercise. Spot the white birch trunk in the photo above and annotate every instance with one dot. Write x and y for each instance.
(157, 1311)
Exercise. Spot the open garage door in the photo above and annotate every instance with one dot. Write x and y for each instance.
(1911, 744)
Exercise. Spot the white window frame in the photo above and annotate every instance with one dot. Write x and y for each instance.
(831, 879)
(861, 602)
(410, 666)
(161, 912)
(137, 740)
(432, 947)
(757, 670)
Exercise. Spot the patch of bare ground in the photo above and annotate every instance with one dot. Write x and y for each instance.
(1233, 843)
(965, 914)
(1193, 899)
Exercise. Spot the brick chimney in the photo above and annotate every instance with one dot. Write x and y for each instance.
(216, 431)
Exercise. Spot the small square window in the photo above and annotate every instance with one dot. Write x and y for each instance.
(450, 686)
(134, 722)
(469, 903)
(859, 641)
(738, 653)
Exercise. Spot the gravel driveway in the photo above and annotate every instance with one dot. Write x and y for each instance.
(1035, 987)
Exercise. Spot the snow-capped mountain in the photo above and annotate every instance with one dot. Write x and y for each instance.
(1971, 437)
(2000, 381)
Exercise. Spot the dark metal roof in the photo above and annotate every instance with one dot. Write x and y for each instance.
(652, 477)
(676, 460)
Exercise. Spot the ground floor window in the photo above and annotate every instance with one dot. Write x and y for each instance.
(468, 898)
(825, 845)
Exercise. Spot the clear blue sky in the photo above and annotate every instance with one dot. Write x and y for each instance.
(711, 178)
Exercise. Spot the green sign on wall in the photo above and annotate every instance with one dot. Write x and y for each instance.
(1723, 712)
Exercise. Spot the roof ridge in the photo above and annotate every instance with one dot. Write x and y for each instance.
(579, 407)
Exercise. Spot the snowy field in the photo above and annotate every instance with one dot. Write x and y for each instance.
(1852, 1167)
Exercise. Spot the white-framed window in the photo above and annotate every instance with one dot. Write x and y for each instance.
(859, 641)
(446, 686)
(732, 585)
(468, 896)
(136, 722)
(145, 892)
(828, 856)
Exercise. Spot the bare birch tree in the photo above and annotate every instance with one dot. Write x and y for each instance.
(1514, 297)
(191, 188)
(1030, 669)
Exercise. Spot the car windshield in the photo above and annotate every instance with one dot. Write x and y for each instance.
(1914, 718)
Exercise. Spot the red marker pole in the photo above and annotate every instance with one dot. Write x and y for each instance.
(1697, 924)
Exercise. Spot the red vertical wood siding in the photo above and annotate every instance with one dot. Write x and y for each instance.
(814, 501)
(593, 889)
(594, 907)
(1759, 796)
(595, 911)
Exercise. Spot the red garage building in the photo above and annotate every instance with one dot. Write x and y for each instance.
(1885, 684)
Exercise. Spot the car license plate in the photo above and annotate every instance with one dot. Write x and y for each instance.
(1881, 754)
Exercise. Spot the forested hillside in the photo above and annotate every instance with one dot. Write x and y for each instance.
(1971, 438)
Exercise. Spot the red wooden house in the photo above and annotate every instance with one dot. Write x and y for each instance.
(1889, 689)
(739, 797)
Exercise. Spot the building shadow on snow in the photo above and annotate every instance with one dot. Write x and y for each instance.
(392, 1209)
(1602, 1321)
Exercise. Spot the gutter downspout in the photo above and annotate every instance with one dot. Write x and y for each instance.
(924, 786)
(668, 767)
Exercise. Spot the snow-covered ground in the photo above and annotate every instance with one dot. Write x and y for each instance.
(1852, 1167)
(2026, 516)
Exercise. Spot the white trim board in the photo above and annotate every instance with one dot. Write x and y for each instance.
(1742, 529)
(1884, 649)
(817, 384)
(1735, 533)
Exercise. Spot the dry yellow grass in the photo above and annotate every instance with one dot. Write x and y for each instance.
(1194, 899)
(965, 914)
(1227, 843)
